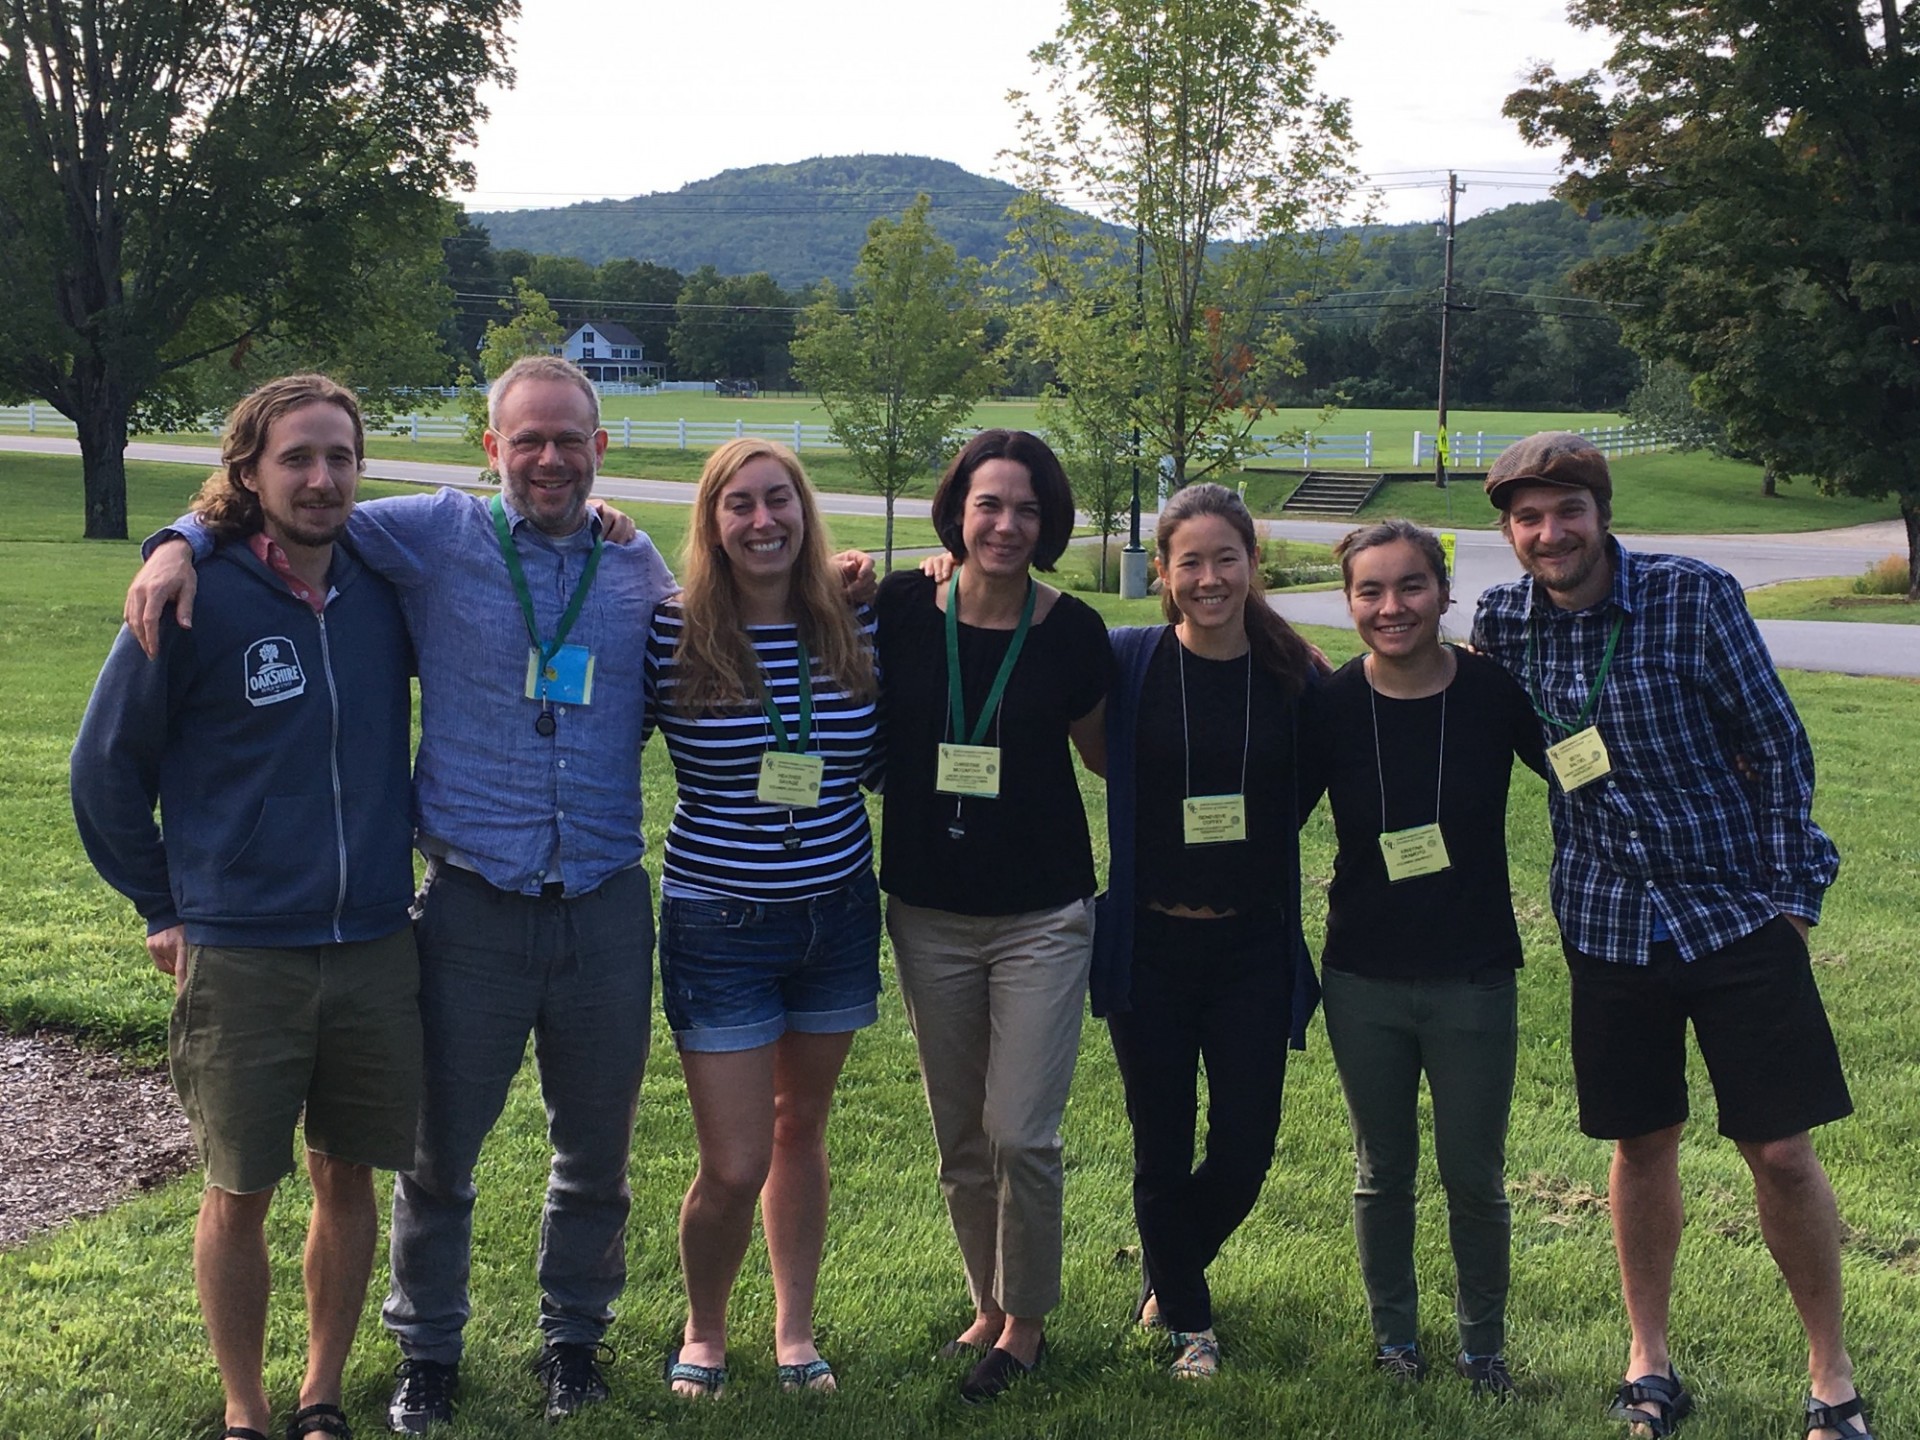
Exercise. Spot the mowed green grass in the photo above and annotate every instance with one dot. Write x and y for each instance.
(102, 1337)
(1829, 600)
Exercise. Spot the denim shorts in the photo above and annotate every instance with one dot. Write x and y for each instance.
(739, 974)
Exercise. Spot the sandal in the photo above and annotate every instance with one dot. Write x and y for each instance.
(807, 1375)
(319, 1420)
(1822, 1416)
(711, 1379)
(1198, 1354)
(1669, 1398)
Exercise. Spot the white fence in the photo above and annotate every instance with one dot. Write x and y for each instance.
(1476, 449)
(36, 419)
(1324, 449)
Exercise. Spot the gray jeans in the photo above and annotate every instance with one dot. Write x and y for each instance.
(1462, 1034)
(576, 974)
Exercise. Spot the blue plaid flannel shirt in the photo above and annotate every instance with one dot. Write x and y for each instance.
(1674, 831)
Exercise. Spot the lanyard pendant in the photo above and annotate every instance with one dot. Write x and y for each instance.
(543, 724)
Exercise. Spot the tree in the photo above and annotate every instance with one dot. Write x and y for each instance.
(181, 179)
(901, 371)
(1777, 148)
(1196, 125)
(534, 330)
(731, 326)
(641, 295)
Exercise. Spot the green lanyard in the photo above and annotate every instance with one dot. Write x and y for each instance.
(1593, 695)
(954, 696)
(548, 649)
(799, 746)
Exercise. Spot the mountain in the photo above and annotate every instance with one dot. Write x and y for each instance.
(797, 222)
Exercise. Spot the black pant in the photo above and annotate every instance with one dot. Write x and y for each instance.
(1218, 991)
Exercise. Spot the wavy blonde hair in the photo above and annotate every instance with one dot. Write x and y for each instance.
(715, 666)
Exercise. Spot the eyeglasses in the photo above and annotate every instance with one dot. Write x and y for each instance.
(530, 443)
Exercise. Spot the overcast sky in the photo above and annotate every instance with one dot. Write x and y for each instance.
(619, 99)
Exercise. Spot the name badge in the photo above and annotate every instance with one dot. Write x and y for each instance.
(1419, 851)
(1580, 759)
(566, 679)
(790, 780)
(1213, 819)
(968, 770)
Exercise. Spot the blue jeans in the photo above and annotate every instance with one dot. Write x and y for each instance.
(577, 975)
(739, 974)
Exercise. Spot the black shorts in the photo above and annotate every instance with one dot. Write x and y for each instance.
(1756, 1013)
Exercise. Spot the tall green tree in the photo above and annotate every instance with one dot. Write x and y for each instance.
(532, 328)
(731, 327)
(1197, 125)
(182, 177)
(899, 372)
(1777, 146)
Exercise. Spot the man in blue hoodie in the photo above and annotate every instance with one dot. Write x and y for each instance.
(273, 737)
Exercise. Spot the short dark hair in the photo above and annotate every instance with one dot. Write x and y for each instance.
(1050, 488)
(1388, 532)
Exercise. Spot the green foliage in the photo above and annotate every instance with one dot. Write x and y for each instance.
(1194, 125)
(734, 327)
(899, 373)
(1777, 151)
(1886, 577)
(184, 181)
(800, 223)
(533, 330)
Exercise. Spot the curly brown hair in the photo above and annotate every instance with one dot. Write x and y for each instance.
(225, 505)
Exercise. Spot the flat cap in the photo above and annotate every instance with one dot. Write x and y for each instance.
(1553, 457)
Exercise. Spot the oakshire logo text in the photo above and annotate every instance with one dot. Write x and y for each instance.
(273, 671)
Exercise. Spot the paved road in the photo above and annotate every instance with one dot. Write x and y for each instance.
(1482, 557)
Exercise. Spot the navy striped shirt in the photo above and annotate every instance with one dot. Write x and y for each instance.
(723, 841)
(1674, 832)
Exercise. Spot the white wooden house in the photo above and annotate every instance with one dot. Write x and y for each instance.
(609, 353)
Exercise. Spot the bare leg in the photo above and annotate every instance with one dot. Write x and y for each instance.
(1644, 1192)
(232, 1277)
(340, 1241)
(984, 1332)
(1021, 1337)
(732, 1097)
(1801, 1225)
(793, 1203)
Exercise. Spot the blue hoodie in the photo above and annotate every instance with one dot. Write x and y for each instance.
(275, 742)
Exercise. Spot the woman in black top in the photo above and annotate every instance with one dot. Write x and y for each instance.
(989, 872)
(1199, 956)
(1413, 744)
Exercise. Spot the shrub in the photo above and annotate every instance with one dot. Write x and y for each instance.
(1884, 577)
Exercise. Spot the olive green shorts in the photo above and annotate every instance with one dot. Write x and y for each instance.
(257, 1034)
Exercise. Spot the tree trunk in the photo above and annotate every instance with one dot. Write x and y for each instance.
(1769, 480)
(1910, 512)
(889, 566)
(1105, 538)
(102, 425)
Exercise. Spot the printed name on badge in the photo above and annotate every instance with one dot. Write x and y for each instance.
(1213, 819)
(1418, 851)
(1580, 759)
(968, 770)
(792, 781)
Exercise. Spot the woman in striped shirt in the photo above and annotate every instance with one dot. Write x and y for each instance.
(762, 681)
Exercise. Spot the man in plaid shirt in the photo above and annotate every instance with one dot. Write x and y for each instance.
(1684, 882)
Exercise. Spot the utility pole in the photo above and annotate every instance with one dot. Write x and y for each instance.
(1441, 441)
(1133, 557)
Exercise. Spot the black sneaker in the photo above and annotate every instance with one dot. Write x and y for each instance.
(1488, 1374)
(572, 1376)
(1404, 1363)
(422, 1396)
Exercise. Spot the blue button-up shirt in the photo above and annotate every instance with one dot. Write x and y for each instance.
(1674, 831)
(519, 807)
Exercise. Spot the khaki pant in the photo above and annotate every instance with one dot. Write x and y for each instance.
(995, 1004)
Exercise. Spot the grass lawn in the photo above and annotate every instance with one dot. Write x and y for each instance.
(1831, 599)
(1661, 494)
(103, 1339)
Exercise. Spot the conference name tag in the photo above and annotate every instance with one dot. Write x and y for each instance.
(1419, 851)
(1213, 819)
(790, 780)
(1580, 759)
(566, 679)
(968, 770)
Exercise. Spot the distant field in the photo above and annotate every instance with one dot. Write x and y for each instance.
(1829, 600)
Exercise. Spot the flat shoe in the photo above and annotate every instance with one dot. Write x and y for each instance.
(1669, 1398)
(1822, 1416)
(712, 1379)
(995, 1374)
(807, 1375)
(954, 1349)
